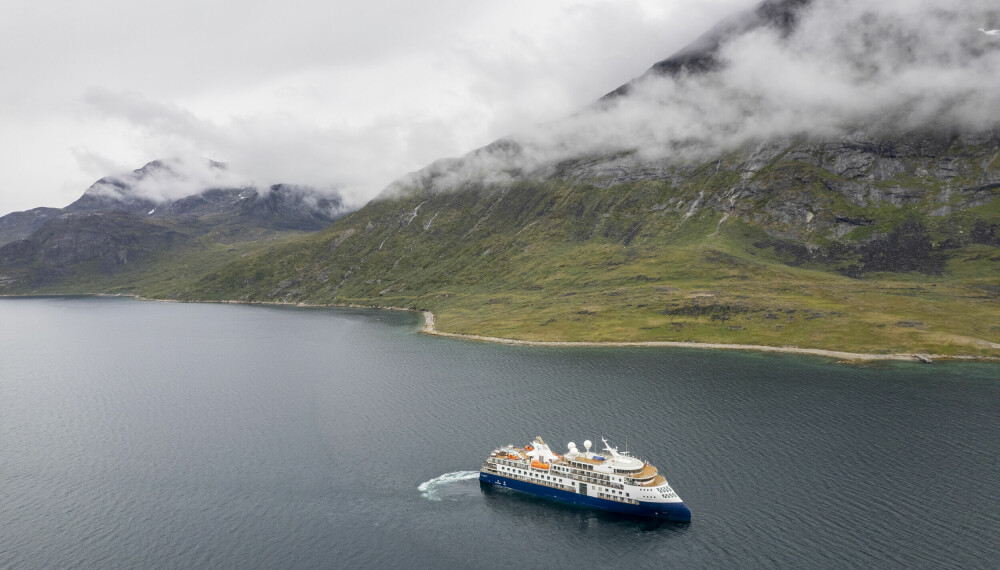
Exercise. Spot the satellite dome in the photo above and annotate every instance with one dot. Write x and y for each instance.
(587, 444)
(571, 445)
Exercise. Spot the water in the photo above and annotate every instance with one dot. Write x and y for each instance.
(155, 435)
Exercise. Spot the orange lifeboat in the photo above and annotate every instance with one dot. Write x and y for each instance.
(529, 448)
(539, 465)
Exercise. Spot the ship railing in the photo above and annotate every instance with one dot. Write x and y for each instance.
(617, 498)
(552, 484)
(595, 481)
(507, 462)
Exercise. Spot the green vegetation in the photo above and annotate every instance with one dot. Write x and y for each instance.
(788, 253)
(556, 261)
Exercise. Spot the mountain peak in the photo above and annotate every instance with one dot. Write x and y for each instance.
(158, 181)
(702, 55)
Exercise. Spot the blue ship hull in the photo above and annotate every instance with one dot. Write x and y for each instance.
(671, 511)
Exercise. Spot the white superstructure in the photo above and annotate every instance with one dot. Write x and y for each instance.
(611, 476)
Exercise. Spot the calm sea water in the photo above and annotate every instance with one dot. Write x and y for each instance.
(153, 435)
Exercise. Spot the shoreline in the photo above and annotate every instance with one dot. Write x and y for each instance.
(840, 355)
(429, 328)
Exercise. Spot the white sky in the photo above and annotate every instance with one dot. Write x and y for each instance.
(329, 93)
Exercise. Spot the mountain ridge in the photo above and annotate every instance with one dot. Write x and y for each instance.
(879, 237)
(123, 219)
(841, 246)
(701, 55)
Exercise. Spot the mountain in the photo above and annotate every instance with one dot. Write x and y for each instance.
(846, 245)
(19, 225)
(864, 234)
(167, 206)
(702, 55)
(208, 192)
(790, 178)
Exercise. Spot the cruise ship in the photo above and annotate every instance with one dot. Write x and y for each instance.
(613, 480)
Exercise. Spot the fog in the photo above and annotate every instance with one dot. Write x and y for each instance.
(849, 68)
(170, 179)
(326, 94)
(352, 97)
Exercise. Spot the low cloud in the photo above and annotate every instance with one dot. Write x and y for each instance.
(169, 179)
(312, 106)
(263, 149)
(849, 66)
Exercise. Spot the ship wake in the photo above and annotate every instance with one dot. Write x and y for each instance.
(435, 489)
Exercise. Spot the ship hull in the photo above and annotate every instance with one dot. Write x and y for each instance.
(677, 512)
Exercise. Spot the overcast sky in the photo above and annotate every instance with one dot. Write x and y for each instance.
(328, 93)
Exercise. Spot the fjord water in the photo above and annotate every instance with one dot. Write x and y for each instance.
(156, 435)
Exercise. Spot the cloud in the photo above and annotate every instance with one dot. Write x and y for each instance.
(330, 94)
(169, 179)
(849, 65)
(267, 150)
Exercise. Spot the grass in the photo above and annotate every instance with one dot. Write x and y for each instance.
(639, 261)
(549, 265)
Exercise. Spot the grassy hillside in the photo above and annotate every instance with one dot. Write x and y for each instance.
(851, 246)
(554, 260)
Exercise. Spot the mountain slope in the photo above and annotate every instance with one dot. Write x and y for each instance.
(19, 225)
(789, 178)
(702, 55)
(759, 247)
(162, 211)
(797, 176)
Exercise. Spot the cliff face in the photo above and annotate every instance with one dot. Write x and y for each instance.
(826, 190)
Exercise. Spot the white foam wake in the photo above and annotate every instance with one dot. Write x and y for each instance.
(432, 489)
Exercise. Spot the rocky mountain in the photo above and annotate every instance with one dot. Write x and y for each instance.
(848, 244)
(700, 202)
(866, 236)
(19, 225)
(158, 208)
(147, 192)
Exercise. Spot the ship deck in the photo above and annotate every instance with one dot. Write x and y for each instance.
(656, 482)
(647, 471)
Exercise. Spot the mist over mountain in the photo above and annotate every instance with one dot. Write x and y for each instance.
(167, 205)
(815, 173)
(811, 70)
(189, 188)
(820, 173)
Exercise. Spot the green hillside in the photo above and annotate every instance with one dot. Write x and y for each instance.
(780, 252)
